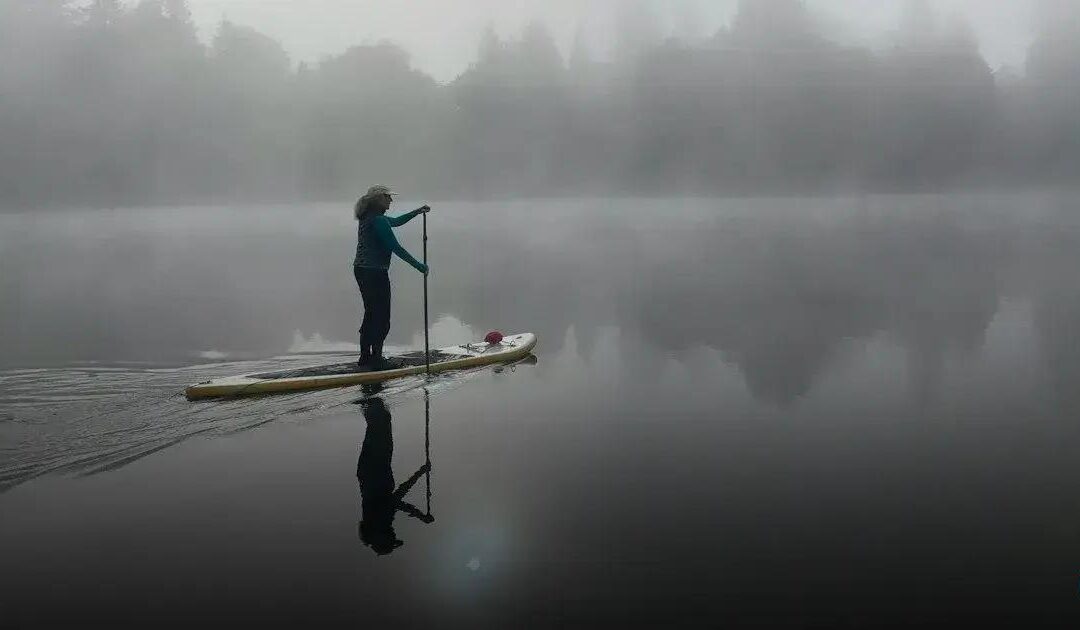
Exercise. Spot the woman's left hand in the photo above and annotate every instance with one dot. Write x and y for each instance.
(424, 209)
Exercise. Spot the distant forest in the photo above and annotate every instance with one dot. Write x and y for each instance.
(105, 103)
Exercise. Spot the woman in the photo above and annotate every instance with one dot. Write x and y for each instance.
(375, 242)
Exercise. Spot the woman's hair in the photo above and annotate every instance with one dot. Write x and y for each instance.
(364, 206)
(360, 210)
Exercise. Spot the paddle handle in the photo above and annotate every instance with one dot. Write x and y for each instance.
(427, 346)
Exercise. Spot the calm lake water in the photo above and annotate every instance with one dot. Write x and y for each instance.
(825, 413)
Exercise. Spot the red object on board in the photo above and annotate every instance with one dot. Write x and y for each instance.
(494, 337)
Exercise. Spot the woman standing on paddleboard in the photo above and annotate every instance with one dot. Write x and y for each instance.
(375, 242)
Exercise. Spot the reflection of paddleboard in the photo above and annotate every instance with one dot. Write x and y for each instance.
(512, 348)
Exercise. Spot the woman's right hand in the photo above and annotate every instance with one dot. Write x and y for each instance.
(424, 269)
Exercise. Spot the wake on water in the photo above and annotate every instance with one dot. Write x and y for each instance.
(87, 420)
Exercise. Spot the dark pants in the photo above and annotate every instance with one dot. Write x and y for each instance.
(375, 290)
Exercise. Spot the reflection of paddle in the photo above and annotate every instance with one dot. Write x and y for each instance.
(403, 489)
(427, 446)
(424, 470)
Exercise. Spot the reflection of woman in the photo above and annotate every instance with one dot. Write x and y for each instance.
(379, 500)
(375, 242)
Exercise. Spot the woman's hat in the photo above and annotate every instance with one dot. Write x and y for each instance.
(379, 190)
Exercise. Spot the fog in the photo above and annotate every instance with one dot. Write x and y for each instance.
(108, 103)
(441, 35)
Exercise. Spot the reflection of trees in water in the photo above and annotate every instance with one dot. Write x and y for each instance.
(558, 273)
(1057, 320)
(1047, 254)
(950, 317)
(929, 284)
(1052, 255)
(779, 300)
(778, 297)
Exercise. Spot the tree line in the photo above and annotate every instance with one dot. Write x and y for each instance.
(109, 103)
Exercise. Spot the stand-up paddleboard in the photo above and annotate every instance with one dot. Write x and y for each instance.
(511, 348)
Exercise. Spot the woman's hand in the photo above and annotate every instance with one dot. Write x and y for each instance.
(424, 209)
(424, 269)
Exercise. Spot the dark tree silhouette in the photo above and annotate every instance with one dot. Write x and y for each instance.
(107, 102)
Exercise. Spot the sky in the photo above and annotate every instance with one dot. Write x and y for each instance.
(442, 35)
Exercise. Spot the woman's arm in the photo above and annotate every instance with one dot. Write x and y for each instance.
(408, 216)
(386, 235)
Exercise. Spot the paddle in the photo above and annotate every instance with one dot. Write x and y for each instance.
(427, 351)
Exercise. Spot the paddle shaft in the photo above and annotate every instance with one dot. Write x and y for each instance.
(427, 351)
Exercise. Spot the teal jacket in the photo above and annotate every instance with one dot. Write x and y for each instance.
(375, 242)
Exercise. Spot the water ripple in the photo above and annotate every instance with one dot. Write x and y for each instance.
(88, 420)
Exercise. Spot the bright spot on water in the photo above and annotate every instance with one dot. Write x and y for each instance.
(473, 564)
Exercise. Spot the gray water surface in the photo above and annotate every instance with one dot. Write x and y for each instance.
(829, 412)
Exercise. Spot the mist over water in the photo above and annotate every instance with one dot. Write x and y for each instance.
(802, 274)
(172, 285)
